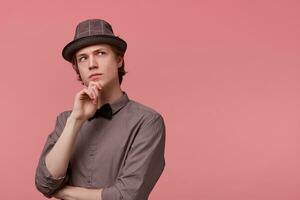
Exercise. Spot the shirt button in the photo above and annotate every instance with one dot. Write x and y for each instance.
(89, 180)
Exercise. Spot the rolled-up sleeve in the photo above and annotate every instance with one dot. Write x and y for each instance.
(144, 163)
(44, 181)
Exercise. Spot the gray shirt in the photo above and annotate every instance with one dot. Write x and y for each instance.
(123, 154)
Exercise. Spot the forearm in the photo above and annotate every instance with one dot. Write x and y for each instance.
(78, 193)
(58, 158)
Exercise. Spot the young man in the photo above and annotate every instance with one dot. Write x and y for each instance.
(107, 147)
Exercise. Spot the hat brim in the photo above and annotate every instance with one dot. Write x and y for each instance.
(74, 46)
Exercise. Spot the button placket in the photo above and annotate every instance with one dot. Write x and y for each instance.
(91, 157)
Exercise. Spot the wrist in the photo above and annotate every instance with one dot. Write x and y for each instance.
(74, 119)
(79, 193)
(74, 122)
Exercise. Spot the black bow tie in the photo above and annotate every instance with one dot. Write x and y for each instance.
(105, 111)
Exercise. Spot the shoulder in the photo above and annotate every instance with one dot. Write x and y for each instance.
(149, 125)
(145, 114)
(139, 108)
(63, 116)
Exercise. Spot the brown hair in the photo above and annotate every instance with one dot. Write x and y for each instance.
(121, 70)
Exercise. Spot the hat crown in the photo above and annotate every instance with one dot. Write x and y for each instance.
(93, 27)
(91, 32)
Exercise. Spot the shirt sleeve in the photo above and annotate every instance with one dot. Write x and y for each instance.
(44, 181)
(144, 164)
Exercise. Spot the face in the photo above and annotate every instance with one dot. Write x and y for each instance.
(99, 63)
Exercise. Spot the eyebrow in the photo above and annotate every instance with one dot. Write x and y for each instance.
(96, 50)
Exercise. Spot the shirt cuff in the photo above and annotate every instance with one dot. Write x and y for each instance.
(47, 183)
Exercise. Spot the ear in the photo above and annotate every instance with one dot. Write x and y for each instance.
(120, 61)
(74, 67)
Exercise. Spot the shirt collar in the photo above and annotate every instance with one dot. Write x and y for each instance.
(108, 110)
(120, 103)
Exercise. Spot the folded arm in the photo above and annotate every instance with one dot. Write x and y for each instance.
(50, 177)
(143, 166)
(78, 193)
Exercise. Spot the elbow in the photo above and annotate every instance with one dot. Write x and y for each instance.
(47, 185)
(43, 188)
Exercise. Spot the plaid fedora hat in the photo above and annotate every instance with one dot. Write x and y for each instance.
(91, 32)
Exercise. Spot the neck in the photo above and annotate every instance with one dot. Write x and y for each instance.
(109, 95)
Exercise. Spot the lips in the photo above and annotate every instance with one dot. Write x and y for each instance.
(94, 76)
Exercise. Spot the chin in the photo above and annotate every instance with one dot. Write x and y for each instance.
(97, 81)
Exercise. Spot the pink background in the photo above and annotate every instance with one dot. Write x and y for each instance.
(224, 74)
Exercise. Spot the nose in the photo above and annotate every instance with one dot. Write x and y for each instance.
(92, 63)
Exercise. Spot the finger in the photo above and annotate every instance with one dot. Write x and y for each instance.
(95, 94)
(87, 92)
(98, 85)
(92, 90)
(91, 83)
(82, 95)
(91, 93)
(95, 101)
(95, 88)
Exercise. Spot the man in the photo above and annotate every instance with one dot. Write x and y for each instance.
(107, 147)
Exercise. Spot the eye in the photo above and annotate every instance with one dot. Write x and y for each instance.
(81, 59)
(100, 53)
